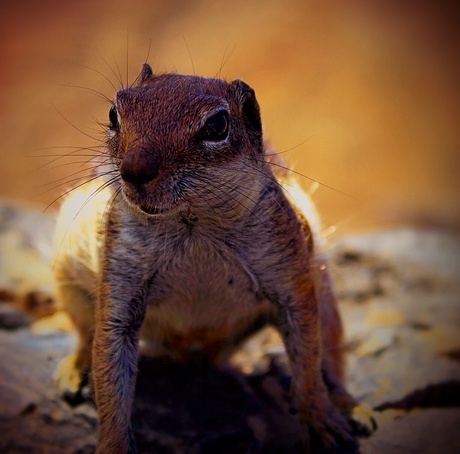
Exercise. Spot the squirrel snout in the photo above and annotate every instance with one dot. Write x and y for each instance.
(139, 168)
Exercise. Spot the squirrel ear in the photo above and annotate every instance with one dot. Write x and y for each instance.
(249, 105)
(145, 74)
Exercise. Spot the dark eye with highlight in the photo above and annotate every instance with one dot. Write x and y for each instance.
(216, 127)
(113, 118)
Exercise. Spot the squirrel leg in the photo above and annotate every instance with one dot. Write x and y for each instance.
(72, 372)
(332, 363)
(329, 430)
(121, 313)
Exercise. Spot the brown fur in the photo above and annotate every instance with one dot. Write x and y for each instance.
(190, 242)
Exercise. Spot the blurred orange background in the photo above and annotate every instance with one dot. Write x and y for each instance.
(373, 86)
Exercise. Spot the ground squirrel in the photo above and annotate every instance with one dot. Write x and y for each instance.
(186, 241)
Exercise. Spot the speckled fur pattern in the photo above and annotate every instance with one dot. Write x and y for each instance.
(184, 242)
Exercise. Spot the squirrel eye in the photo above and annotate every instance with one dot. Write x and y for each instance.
(113, 118)
(216, 127)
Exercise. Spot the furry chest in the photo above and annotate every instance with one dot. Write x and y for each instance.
(201, 284)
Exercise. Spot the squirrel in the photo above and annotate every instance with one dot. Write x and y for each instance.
(186, 240)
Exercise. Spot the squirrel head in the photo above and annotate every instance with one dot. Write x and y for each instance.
(173, 136)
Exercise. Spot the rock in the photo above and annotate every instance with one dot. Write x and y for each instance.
(403, 333)
(430, 431)
(26, 251)
(399, 293)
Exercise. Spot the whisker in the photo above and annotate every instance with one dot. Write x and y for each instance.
(276, 153)
(231, 187)
(117, 76)
(101, 74)
(207, 202)
(91, 90)
(257, 171)
(220, 199)
(313, 188)
(127, 55)
(251, 212)
(71, 124)
(71, 163)
(281, 183)
(66, 181)
(63, 179)
(224, 60)
(136, 80)
(47, 164)
(67, 155)
(74, 188)
(189, 55)
(82, 163)
(119, 72)
(108, 205)
(104, 126)
(59, 147)
(240, 192)
(73, 154)
(102, 129)
(285, 185)
(103, 186)
(310, 178)
(148, 50)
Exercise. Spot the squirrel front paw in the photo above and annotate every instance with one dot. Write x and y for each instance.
(71, 380)
(331, 434)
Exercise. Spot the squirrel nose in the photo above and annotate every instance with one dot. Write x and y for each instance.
(139, 168)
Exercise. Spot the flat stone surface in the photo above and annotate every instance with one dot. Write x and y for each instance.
(400, 299)
(431, 431)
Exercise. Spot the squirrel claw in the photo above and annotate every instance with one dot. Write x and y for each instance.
(70, 381)
(332, 434)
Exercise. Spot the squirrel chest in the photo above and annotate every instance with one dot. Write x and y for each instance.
(198, 282)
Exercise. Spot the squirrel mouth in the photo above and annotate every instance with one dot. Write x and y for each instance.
(153, 210)
(144, 204)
